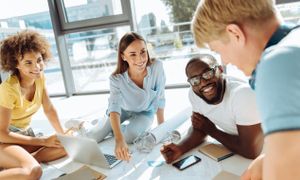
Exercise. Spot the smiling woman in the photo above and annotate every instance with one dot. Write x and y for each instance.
(21, 95)
(136, 94)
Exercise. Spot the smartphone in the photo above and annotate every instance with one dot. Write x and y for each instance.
(186, 162)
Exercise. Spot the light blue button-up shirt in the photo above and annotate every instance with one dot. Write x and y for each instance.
(126, 95)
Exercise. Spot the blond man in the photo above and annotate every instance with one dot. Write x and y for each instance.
(250, 35)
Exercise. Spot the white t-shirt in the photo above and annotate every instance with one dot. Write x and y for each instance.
(237, 108)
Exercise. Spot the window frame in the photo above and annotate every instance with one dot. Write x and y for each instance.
(62, 28)
(285, 1)
(94, 23)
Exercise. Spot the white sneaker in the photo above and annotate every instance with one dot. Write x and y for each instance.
(73, 123)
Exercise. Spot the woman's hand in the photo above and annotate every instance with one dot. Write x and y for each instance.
(52, 141)
(122, 151)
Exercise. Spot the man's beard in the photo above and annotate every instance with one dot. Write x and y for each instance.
(219, 95)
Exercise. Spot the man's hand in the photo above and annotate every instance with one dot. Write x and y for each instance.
(170, 152)
(202, 123)
(254, 171)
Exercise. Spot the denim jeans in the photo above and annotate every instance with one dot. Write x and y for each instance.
(132, 125)
(26, 132)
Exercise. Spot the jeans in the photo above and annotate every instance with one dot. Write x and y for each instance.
(26, 132)
(132, 125)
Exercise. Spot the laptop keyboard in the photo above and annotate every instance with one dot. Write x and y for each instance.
(110, 159)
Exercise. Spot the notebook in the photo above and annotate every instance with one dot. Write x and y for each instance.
(225, 175)
(87, 151)
(83, 173)
(216, 151)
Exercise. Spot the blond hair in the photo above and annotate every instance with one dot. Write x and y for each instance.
(212, 17)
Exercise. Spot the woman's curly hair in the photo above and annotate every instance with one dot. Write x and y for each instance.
(15, 46)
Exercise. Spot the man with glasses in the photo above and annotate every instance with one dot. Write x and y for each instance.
(224, 108)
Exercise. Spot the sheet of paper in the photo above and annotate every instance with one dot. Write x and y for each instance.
(161, 131)
(183, 129)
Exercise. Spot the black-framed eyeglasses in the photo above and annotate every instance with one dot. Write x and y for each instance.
(209, 74)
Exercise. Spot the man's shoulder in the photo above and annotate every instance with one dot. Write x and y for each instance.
(234, 84)
(191, 94)
(287, 48)
(195, 100)
(238, 89)
(279, 61)
(292, 39)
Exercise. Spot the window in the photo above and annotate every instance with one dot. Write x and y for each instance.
(88, 32)
(290, 12)
(165, 24)
(93, 57)
(33, 14)
(75, 14)
(91, 9)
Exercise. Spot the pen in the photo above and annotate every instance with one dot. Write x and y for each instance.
(131, 161)
(133, 164)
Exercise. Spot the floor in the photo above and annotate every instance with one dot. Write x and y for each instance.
(141, 166)
(89, 107)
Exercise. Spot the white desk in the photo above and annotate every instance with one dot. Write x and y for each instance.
(205, 170)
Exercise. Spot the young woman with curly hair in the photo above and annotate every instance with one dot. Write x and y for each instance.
(23, 55)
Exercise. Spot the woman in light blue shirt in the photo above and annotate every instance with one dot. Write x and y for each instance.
(136, 94)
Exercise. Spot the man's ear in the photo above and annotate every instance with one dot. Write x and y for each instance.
(236, 34)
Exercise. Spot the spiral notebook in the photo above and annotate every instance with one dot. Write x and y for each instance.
(216, 151)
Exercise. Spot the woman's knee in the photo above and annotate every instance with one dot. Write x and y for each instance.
(58, 153)
(130, 136)
(62, 152)
(34, 172)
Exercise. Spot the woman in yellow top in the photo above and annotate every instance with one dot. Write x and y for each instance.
(21, 95)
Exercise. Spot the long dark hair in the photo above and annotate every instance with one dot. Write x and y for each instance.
(125, 41)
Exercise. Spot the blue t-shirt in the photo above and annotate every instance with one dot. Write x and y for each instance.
(278, 85)
(126, 95)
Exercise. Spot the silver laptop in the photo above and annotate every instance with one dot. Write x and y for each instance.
(86, 151)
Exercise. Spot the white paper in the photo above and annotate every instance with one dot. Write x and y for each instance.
(161, 131)
(183, 129)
